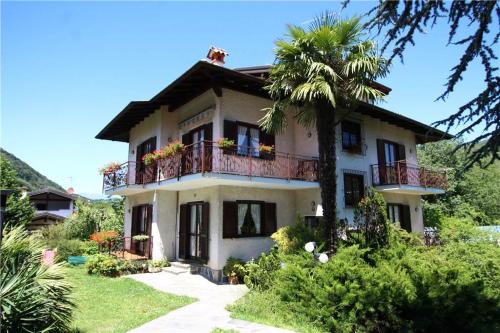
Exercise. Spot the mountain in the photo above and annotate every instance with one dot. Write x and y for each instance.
(29, 177)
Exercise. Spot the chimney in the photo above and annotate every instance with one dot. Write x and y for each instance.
(70, 190)
(216, 55)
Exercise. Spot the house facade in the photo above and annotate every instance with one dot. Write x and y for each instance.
(212, 201)
(52, 207)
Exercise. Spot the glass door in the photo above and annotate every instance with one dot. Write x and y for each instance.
(196, 211)
(390, 162)
(197, 137)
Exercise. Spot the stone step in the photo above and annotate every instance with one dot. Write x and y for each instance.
(175, 270)
(180, 264)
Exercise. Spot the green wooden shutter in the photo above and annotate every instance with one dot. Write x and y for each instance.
(229, 219)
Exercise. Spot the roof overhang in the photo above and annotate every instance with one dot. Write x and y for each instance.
(204, 76)
(50, 193)
(424, 133)
(195, 81)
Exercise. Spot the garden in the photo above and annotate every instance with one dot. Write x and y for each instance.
(383, 279)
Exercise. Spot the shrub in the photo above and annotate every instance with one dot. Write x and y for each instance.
(159, 263)
(92, 217)
(34, 297)
(292, 238)
(370, 218)
(89, 248)
(260, 272)
(68, 247)
(101, 264)
(133, 267)
(235, 266)
(402, 286)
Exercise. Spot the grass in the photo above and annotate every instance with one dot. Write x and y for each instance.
(117, 304)
(220, 330)
(266, 308)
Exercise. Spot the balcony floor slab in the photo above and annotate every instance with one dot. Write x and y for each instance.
(409, 189)
(199, 180)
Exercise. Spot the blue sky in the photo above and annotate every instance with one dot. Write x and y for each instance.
(67, 68)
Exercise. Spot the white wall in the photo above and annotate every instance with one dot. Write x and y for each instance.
(163, 221)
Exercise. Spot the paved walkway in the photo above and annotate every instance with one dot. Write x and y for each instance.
(201, 316)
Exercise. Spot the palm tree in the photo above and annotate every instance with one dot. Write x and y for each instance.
(319, 71)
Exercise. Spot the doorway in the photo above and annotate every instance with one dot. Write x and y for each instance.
(193, 231)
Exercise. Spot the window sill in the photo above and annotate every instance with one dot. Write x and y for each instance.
(245, 237)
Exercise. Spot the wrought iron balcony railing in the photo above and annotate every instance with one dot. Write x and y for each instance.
(403, 173)
(206, 156)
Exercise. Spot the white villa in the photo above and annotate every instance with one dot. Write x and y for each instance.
(210, 202)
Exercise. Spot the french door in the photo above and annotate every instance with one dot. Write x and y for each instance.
(145, 173)
(193, 231)
(392, 167)
(198, 157)
(142, 217)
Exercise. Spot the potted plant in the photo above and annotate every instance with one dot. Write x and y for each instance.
(226, 145)
(155, 266)
(149, 158)
(109, 168)
(234, 270)
(266, 151)
(233, 278)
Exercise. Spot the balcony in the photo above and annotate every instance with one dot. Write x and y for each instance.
(402, 177)
(216, 165)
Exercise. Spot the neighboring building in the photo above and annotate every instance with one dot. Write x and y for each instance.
(52, 207)
(211, 203)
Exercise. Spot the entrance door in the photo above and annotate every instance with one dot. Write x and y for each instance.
(193, 231)
(142, 217)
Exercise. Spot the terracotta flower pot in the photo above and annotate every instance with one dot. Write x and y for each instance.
(233, 280)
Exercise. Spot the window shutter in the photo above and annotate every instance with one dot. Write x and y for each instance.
(149, 221)
(208, 131)
(186, 139)
(380, 152)
(401, 153)
(208, 146)
(229, 219)
(205, 219)
(269, 220)
(381, 164)
(183, 231)
(133, 231)
(267, 139)
(230, 130)
(404, 217)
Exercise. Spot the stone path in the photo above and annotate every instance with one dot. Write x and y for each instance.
(201, 316)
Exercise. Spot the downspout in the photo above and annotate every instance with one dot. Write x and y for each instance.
(176, 238)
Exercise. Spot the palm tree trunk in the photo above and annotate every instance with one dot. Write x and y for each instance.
(325, 126)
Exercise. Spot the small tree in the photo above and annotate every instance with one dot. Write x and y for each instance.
(370, 218)
(18, 210)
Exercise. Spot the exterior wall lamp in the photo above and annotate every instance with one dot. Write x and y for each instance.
(311, 248)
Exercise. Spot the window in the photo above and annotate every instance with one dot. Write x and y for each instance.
(247, 137)
(393, 213)
(353, 189)
(351, 136)
(248, 140)
(41, 206)
(248, 218)
(399, 214)
(312, 222)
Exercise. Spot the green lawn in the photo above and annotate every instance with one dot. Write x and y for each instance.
(266, 308)
(117, 304)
